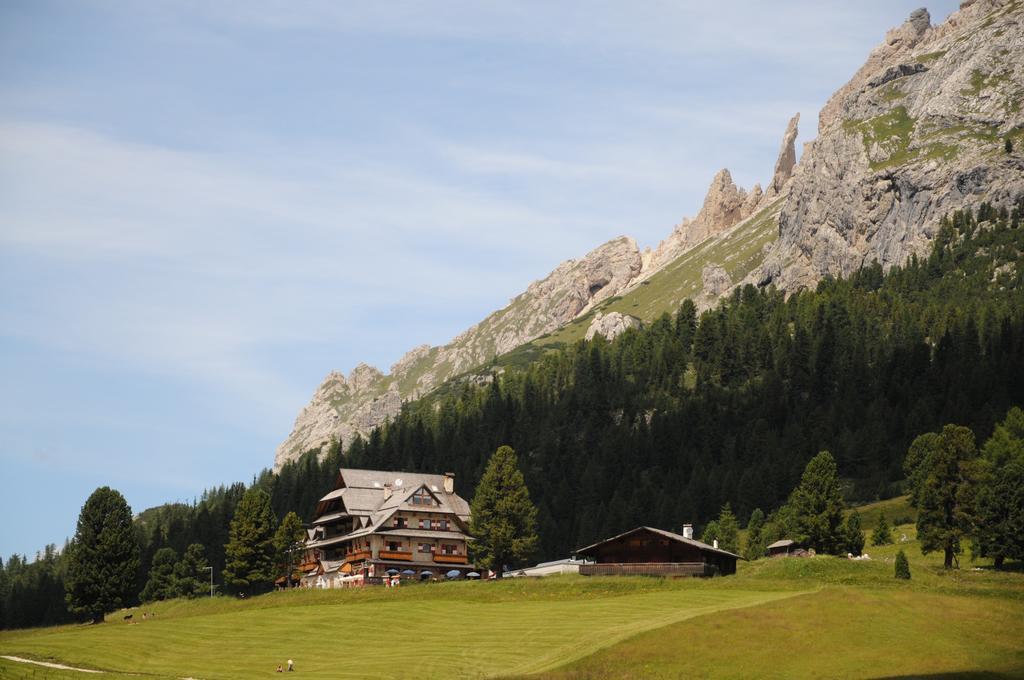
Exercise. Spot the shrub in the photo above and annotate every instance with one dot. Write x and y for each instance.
(902, 566)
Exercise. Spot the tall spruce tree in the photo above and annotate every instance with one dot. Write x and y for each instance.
(190, 573)
(817, 505)
(755, 535)
(288, 545)
(999, 501)
(104, 556)
(504, 519)
(249, 553)
(728, 530)
(162, 584)
(882, 535)
(853, 534)
(939, 469)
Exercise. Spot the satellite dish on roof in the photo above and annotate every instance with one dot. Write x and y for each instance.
(398, 482)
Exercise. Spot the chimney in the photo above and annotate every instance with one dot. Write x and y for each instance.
(449, 482)
(688, 531)
(387, 490)
(716, 544)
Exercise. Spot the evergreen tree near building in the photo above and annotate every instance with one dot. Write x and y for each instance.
(881, 535)
(103, 557)
(755, 535)
(817, 505)
(249, 554)
(162, 584)
(288, 541)
(504, 519)
(853, 533)
(711, 532)
(902, 567)
(190, 573)
(728, 530)
(939, 468)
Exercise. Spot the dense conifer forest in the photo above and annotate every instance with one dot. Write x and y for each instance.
(669, 422)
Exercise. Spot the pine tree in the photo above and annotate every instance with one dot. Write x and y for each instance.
(728, 530)
(711, 532)
(938, 467)
(162, 584)
(902, 566)
(853, 534)
(504, 518)
(817, 505)
(288, 545)
(104, 556)
(882, 535)
(999, 503)
(190, 573)
(755, 535)
(249, 553)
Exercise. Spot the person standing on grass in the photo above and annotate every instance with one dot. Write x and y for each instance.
(291, 666)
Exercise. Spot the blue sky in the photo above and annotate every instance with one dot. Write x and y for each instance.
(205, 207)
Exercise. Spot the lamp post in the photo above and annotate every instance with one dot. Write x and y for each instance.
(211, 581)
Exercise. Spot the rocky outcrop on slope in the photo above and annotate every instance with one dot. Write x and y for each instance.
(787, 159)
(917, 133)
(611, 325)
(726, 205)
(343, 407)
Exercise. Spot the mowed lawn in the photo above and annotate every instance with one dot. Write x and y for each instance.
(839, 632)
(455, 630)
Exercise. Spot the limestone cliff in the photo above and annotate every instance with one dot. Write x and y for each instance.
(343, 407)
(918, 132)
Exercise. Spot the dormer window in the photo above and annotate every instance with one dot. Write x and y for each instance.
(422, 497)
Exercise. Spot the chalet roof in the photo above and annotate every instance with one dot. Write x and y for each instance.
(326, 519)
(667, 534)
(782, 544)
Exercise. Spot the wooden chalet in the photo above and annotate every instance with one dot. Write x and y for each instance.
(787, 548)
(647, 551)
(374, 523)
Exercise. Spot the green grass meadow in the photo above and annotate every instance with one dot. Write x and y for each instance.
(785, 618)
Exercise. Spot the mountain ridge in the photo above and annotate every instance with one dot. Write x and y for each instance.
(914, 134)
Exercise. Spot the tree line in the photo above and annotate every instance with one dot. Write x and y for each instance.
(670, 422)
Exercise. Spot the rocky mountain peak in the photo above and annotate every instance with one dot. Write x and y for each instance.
(916, 133)
(787, 158)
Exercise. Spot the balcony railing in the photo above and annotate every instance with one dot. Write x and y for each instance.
(648, 569)
(394, 555)
(357, 555)
(450, 559)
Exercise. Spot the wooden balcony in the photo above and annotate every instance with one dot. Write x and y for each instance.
(451, 559)
(357, 555)
(394, 555)
(648, 569)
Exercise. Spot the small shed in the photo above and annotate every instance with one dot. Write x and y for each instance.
(655, 552)
(784, 548)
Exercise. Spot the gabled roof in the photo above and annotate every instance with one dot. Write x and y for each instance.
(377, 494)
(667, 534)
(782, 544)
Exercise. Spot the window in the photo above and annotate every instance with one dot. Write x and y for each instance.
(422, 497)
(426, 548)
(447, 549)
(394, 546)
(400, 523)
(424, 524)
(444, 525)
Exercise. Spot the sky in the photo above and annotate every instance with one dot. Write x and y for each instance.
(205, 207)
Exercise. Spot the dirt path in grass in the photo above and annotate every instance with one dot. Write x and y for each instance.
(58, 666)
